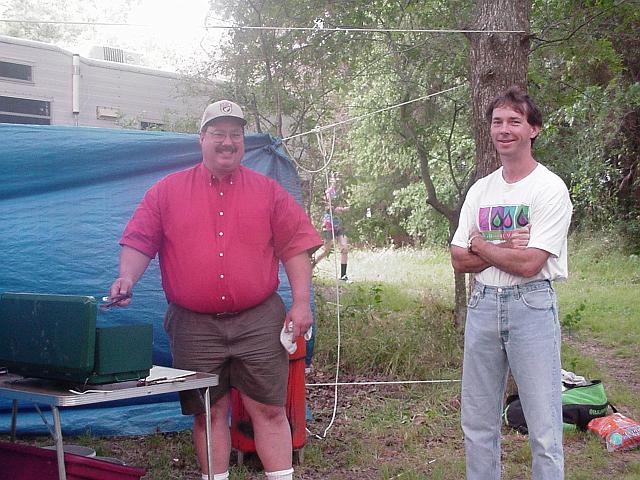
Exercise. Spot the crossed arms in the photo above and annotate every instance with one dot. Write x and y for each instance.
(511, 256)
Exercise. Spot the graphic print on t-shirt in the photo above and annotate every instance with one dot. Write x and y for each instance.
(496, 220)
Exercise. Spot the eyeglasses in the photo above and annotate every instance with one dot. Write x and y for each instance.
(219, 136)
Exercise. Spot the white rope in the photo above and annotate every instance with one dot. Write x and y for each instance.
(327, 161)
(398, 382)
(358, 30)
(325, 164)
(323, 150)
(360, 117)
(257, 27)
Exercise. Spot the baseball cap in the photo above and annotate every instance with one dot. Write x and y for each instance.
(222, 109)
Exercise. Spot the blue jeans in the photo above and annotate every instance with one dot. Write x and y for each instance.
(512, 327)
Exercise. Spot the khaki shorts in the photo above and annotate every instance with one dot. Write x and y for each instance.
(244, 350)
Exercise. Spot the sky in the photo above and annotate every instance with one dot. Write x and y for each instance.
(174, 33)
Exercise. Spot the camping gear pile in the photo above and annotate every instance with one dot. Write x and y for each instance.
(584, 407)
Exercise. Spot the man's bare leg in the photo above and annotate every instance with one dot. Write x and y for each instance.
(220, 437)
(272, 434)
(326, 248)
(344, 248)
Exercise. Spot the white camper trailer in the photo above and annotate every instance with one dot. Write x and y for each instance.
(47, 85)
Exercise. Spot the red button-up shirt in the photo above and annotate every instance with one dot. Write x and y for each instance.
(219, 240)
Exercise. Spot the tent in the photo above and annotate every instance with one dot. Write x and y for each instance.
(66, 194)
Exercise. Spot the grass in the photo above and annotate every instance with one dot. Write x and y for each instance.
(396, 324)
(606, 281)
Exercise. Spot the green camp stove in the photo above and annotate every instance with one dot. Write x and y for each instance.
(55, 337)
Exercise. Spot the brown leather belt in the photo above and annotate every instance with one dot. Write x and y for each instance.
(225, 314)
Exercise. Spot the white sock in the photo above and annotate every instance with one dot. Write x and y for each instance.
(280, 475)
(217, 476)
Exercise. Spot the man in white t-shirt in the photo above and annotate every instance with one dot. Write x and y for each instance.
(512, 235)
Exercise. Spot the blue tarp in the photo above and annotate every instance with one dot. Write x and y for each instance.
(66, 194)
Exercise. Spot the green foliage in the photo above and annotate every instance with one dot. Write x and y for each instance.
(423, 223)
(584, 72)
(604, 278)
(385, 166)
(584, 142)
(419, 344)
(572, 320)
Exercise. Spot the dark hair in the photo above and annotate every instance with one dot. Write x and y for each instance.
(515, 98)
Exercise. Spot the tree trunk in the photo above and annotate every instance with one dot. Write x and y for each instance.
(460, 309)
(498, 61)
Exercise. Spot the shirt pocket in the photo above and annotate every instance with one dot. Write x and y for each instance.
(254, 229)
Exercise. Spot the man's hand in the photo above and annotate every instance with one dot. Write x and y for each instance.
(518, 238)
(121, 287)
(300, 315)
(298, 271)
(469, 260)
(513, 255)
(133, 263)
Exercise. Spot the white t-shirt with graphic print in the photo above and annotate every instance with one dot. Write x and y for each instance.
(495, 207)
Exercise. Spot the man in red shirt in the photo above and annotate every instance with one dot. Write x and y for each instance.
(220, 230)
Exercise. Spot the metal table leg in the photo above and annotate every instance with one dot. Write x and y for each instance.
(14, 415)
(207, 409)
(62, 474)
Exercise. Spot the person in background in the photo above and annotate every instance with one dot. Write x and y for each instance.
(512, 236)
(219, 230)
(332, 227)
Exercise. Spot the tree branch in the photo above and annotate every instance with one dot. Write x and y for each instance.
(409, 133)
(456, 109)
(545, 43)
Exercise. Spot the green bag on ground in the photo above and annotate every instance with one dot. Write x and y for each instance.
(580, 405)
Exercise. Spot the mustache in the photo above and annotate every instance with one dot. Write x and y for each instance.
(226, 148)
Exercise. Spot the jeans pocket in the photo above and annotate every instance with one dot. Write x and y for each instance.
(538, 299)
(473, 301)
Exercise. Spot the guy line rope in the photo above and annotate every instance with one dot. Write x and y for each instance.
(315, 28)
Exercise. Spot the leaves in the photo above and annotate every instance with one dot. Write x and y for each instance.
(410, 165)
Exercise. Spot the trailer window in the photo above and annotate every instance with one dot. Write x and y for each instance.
(16, 71)
(24, 110)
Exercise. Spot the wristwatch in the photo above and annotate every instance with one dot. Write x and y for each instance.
(470, 241)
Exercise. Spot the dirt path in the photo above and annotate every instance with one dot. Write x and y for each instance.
(625, 371)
